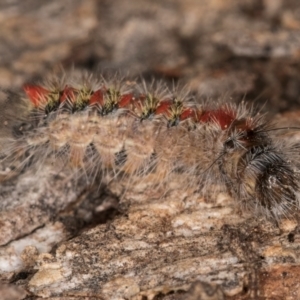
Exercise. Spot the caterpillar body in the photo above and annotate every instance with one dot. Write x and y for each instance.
(149, 132)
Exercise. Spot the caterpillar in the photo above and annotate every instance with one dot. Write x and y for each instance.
(126, 128)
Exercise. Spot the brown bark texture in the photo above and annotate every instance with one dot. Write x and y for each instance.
(62, 237)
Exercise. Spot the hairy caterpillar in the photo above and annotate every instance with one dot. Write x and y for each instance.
(144, 132)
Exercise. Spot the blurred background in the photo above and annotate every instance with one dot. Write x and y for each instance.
(242, 48)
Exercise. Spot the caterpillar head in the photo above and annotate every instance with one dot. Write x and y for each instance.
(257, 172)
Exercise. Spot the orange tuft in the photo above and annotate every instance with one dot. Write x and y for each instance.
(35, 93)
